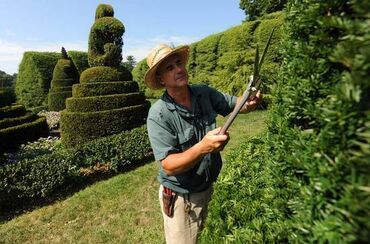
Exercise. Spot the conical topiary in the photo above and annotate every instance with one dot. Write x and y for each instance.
(17, 126)
(106, 101)
(65, 75)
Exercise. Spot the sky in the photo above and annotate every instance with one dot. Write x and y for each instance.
(47, 25)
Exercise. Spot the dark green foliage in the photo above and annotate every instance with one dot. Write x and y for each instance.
(254, 9)
(33, 80)
(79, 59)
(57, 99)
(9, 122)
(12, 137)
(38, 176)
(65, 75)
(130, 63)
(105, 40)
(6, 80)
(101, 74)
(64, 54)
(104, 88)
(106, 102)
(78, 127)
(310, 172)
(12, 111)
(6, 97)
(104, 10)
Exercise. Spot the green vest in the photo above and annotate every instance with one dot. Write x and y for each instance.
(172, 128)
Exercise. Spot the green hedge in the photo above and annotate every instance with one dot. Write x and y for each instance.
(78, 128)
(107, 102)
(105, 88)
(79, 59)
(9, 122)
(34, 76)
(12, 137)
(12, 111)
(57, 100)
(6, 97)
(40, 176)
(101, 74)
(307, 179)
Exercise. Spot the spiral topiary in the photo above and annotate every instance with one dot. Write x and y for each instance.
(106, 101)
(17, 126)
(65, 75)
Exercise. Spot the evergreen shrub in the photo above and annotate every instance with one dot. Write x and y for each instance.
(104, 88)
(37, 176)
(34, 76)
(307, 179)
(79, 59)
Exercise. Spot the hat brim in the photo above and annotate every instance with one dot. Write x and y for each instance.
(150, 76)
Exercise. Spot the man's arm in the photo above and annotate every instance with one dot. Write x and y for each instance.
(181, 162)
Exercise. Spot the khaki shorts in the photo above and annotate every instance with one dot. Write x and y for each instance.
(190, 212)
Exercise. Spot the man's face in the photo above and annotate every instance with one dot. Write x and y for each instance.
(172, 72)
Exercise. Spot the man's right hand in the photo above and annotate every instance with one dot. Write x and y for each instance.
(213, 142)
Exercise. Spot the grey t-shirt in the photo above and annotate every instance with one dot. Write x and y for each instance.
(173, 128)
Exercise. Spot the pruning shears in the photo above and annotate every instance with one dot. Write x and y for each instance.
(253, 85)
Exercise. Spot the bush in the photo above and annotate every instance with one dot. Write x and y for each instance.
(79, 59)
(106, 102)
(313, 168)
(104, 88)
(79, 127)
(33, 80)
(44, 169)
(101, 74)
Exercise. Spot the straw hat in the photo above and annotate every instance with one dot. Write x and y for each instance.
(156, 57)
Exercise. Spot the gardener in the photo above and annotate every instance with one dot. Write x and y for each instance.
(181, 127)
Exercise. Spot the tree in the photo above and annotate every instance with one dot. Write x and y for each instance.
(130, 63)
(254, 8)
(6, 80)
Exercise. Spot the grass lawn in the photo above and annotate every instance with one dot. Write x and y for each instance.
(122, 209)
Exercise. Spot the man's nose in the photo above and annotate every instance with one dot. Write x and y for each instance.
(179, 67)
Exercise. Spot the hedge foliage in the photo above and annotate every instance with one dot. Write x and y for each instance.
(307, 179)
(106, 101)
(225, 60)
(38, 176)
(65, 75)
(34, 76)
(79, 59)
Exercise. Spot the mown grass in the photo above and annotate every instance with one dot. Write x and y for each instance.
(122, 209)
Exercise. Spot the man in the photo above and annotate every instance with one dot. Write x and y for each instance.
(185, 142)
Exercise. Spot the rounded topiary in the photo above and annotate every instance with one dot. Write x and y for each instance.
(106, 101)
(104, 10)
(65, 75)
(101, 74)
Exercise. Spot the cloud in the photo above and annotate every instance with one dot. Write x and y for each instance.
(11, 53)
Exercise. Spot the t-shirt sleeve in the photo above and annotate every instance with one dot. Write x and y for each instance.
(162, 137)
(222, 103)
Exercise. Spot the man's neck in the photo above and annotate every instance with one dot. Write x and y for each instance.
(181, 96)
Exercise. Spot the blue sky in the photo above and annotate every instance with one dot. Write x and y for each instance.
(47, 25)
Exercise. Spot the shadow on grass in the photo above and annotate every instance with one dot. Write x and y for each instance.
(8, 212)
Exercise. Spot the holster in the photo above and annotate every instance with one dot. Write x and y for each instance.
(168, 198)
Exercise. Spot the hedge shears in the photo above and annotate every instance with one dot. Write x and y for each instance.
(252, 88)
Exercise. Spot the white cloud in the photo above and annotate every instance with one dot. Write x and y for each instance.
(11, 53)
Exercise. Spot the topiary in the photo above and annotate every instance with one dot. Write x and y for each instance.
(106, 101)
(65, 75)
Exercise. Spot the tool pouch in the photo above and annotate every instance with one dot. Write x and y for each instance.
(168, 198)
